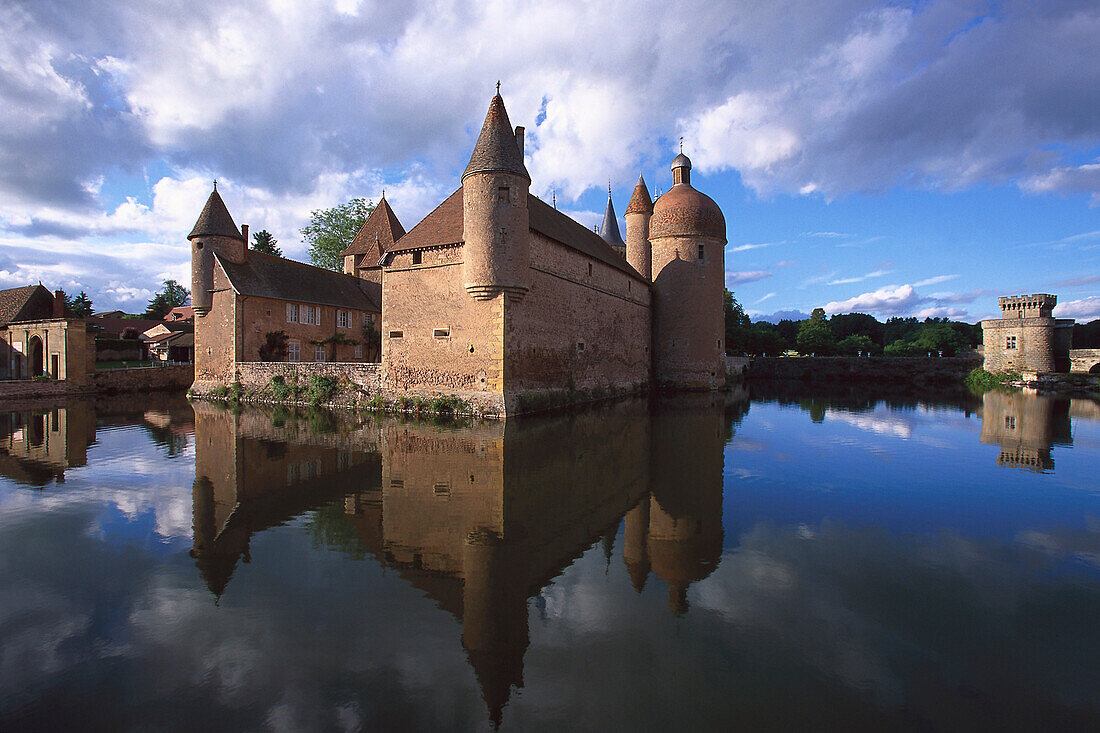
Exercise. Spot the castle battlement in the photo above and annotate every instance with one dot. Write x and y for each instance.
(1038, 305)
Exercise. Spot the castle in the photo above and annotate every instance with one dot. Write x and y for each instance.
(495, 296)
(1027, 338)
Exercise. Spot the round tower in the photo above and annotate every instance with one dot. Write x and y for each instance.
(638, 213)
(687, 236)
(214, 232)
(495, 224)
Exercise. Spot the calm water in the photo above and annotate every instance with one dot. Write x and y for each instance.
(781, 562)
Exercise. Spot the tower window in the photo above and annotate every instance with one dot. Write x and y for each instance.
(1010, 342)
(417, 258)
(198, 245)
(502, 194)
(590, 269)
(442, 333)
(702, 254)
(503, 235)
(580, 346)
(396, 334)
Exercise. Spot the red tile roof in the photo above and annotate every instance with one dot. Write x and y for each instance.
(378, 233)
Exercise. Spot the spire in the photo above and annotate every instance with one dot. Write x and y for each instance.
(610, 229)
(640, 202)
(215, 219)
(497, 149)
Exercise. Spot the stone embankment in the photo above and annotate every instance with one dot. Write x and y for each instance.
(896, 370)
(108, 381)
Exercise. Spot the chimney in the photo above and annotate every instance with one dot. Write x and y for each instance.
(519, 139)
(58, 304)
(244, 231)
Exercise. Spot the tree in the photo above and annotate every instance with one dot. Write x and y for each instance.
(330, 231)
(815, 336)
(171, 296)
(853, 344)
(263, 241)
(274, 347)
(81, 305)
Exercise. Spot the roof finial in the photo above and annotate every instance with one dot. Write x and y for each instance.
(554, 192)
(609, 188)
(681, 144)
(215, 184)
(498, 87)
(383, 193)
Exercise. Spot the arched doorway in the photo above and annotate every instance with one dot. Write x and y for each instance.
(35, 359)
(1095, 368)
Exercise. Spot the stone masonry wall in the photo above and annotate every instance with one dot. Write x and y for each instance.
(175, 377)
(257, 375)
(1083, 360)
(582, 325)
(1034, 350)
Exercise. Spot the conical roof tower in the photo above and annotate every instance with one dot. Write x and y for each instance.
(497, 149)
(609, 232)
(215, 219)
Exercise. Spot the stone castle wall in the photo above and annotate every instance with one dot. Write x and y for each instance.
(582, 325)
(1084, 360)
(108, 381)
(257, 375)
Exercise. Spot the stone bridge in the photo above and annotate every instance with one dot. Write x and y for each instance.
(1086, 361)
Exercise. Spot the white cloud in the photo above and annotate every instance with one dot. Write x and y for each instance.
(860, 278)
(1083, 309)
(746, 276)
(892, 299)
(935, 280)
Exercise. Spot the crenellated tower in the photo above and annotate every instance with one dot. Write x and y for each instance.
(495, 221)
(638, 213)
(215, 233)
(687, 236)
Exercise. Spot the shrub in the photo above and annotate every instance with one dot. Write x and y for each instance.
(280, 389)
(220, 392)
(979, 380)
(321, 388)
(448, 405)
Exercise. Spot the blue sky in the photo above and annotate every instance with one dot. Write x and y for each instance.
(890, 158)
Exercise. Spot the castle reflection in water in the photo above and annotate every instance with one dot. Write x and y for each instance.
(480, 519)
(1027, 426)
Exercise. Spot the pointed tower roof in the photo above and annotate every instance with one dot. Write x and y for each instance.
(496, 148)
(215, 220)
(610, 229)
(378, 233)
(640, 202)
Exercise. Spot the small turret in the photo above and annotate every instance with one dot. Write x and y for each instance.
(495, 221)
(609, 232)
(214, 233)
(638, 213)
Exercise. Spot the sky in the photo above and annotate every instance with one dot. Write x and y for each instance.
(888, 158)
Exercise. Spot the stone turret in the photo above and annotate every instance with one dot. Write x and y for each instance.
(609, 232)
(638, 213)
(1027, 338)
(214, 233)
(495, 221)
(687, 236)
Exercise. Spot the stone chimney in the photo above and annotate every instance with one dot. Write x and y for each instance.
(519, 139)
(58, 304)
(244, 231)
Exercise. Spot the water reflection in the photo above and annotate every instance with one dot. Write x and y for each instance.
(38, 444)
(479, 518)
(1027, 427)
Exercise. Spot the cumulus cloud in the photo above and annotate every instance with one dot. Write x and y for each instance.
(1084, 309)
(892, 300)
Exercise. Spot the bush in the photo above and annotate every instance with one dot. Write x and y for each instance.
(220, 392)
(280, 389)
(321, 388)
(979, 380)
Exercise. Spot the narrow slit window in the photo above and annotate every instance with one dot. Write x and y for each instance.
(702, 253)
(442, 333)
(590, 269)
(396, 334)
(418, 258)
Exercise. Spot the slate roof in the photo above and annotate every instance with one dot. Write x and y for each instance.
(496, 148)
(378, 233)
(640, 202)
(28, 303)
(215, 220)
(609, 232)
(444, 226)
(269, 276)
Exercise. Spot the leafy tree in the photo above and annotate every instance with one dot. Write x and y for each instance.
(844, 325)
(171, 296)
(815, 336)
(263, 241)
(330, 231)
(81, 305)
(1086, 335)
(274, 347)
(853, 344)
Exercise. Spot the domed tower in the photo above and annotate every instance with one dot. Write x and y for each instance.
(495, 224)
(215, 231)
(638, 213)
(687, 236)
(609, 232)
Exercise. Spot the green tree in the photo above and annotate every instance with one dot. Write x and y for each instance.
(263, 241)
(171, 296)
(853, 344)
(330, 231)
(815, 336)
(81, 305)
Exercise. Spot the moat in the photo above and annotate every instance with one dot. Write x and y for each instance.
(767, 559)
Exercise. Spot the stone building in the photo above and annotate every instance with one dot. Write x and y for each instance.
(1027, 337)
(242, 298)
(39, 338)
(495, 296)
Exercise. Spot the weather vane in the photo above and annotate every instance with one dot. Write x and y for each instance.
(681, 145)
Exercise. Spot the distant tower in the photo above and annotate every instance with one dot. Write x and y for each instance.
(688, 236)
(609, 232)
(214, 233)
(638, 213)
(495, 223)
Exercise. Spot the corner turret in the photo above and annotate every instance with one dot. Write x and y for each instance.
(495, 220)
(214, 233)
(638, 213)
